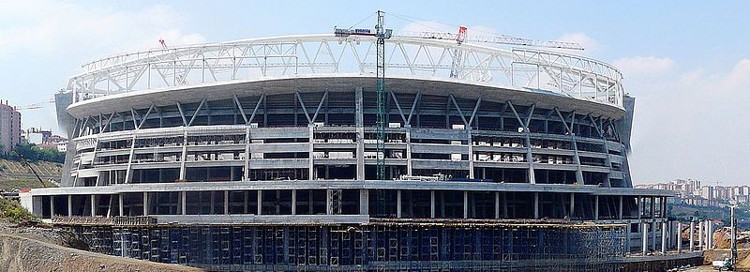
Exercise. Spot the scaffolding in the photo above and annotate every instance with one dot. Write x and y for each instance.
(378, 246)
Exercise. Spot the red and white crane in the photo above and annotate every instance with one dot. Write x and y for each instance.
(462, 37)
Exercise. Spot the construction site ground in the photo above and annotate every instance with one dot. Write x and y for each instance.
(49, 249)
(721, 241)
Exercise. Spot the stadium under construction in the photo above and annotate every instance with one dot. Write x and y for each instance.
(265, 154)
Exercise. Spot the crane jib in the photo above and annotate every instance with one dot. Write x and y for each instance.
(342, 32)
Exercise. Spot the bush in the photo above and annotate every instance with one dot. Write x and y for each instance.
(12, 211)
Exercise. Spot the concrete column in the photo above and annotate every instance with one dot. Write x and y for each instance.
(246, 173)
(471, 151)
(408, 149)
(466, 204)
(505, 205)
(706, 236)
(497, 204)
(212, 202)
(51, 206)
(310, 164)
(183, 155)
(709, 235)
(644, 234)
(432, 204)
(145, 203)
(572, 205)
(670, 237)
(627, 236)
(679, 237)
(653, 207)
(245, 209)
(596, 207)
(359, 126)
(183, 200)
(398, 203)
(129, 169)
(364, 202)
(700, 235)
(530, 158)
(260, 202)
(226, 202)
(70, 205)
(294, 202)
(639, 203)
(619, 211)
(121, 204)
(536, 205)
(653, 235)
(692, 235)
(93, 205)
(664, 237)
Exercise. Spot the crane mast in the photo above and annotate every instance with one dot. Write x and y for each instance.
(457, 53)
(380, 34)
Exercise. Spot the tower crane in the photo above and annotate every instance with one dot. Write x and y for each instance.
(381, 34)
(461, 37)
(35, 106)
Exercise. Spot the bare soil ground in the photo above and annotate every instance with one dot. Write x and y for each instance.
(41, 249)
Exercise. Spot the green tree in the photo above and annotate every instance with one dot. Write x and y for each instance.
(32, 153)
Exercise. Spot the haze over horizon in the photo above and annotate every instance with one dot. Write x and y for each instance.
(686, 62)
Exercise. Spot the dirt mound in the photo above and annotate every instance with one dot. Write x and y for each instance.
(18, 253)
(743, 256)
(722, 239)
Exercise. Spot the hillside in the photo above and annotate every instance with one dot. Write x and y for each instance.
(14, 175)
(41, 250)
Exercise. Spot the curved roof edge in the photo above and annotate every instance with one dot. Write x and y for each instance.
(336, 82)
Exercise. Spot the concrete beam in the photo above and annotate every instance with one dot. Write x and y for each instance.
(354, 184)
(265, 219)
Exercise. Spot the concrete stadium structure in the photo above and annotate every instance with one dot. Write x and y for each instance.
(260, 154)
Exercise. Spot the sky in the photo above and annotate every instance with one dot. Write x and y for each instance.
(686, 62)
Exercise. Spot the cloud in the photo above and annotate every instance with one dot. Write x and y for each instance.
(739, 77)
(689, 124)
(644, 66)
(50, 27)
